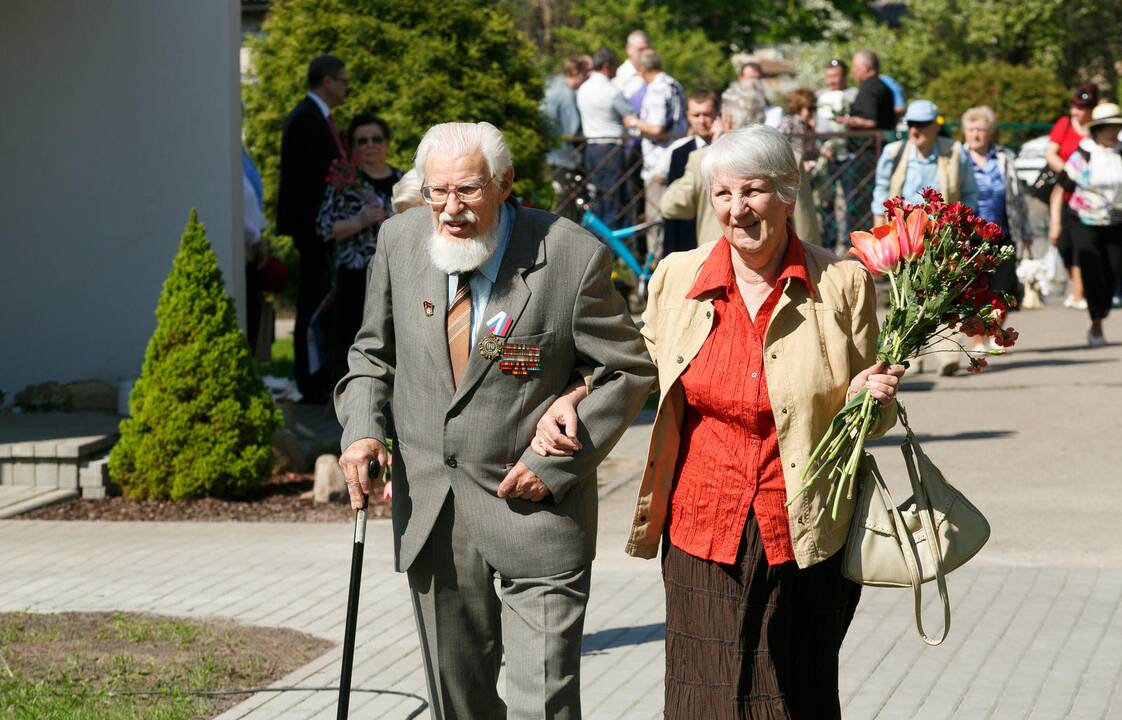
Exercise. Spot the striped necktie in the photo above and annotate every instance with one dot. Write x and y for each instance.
(459, 328)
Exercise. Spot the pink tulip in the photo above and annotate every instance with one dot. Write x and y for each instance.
(879, 249)
(387, 492)
(909, 234)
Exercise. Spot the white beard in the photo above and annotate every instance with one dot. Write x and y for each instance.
(457, 256)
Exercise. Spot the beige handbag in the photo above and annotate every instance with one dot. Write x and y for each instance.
(933, 532)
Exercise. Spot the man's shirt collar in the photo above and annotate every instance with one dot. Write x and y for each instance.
(320, 103)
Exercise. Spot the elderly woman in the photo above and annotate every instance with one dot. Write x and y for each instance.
(1093, 175)
(759, 340)
(1001, 198)
(352, 212)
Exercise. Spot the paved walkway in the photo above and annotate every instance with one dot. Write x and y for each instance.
(1037, 629)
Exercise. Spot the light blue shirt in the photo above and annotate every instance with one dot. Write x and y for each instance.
(920, 173)
(896, 88)
(483, 279)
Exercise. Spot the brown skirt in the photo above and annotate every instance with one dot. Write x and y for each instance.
(748, 640)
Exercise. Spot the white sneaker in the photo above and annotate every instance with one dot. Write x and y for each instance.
(1074, 304)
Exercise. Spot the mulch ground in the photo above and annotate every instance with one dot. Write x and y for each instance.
(285, 498)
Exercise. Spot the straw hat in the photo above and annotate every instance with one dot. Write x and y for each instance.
(1105, 114)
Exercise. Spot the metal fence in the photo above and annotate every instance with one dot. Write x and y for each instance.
(605, 171)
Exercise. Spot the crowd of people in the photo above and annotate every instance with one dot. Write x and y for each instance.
(513, 366)
(601, 105)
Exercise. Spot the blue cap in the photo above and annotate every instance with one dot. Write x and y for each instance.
(921, 111)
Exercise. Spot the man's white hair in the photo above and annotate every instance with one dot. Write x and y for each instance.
(455, 140)
(637, 37)
(756, 151)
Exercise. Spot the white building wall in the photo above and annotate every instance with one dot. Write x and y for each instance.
(118, 117)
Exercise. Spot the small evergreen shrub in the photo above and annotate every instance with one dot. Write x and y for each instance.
(202, 421)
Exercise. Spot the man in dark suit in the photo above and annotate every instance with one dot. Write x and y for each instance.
(309, 143)
(701, 111)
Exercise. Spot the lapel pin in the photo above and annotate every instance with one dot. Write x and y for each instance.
(429, 307)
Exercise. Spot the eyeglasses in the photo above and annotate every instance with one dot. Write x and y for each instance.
(468, 192)
(372, 140)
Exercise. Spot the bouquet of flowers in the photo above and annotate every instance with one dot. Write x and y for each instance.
(938, 259)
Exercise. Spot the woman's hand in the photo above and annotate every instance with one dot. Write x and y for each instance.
(881, 382)
(556, 433)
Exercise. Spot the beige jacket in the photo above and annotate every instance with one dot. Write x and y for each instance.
(685, 199)
(815, 344)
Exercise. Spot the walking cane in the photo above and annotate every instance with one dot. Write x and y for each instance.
(352, 599)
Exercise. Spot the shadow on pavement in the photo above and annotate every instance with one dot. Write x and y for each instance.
(622, 636)
(894, 438)
(1044, 362)
(1060, 348)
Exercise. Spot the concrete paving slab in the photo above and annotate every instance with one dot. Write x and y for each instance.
(1037, 625)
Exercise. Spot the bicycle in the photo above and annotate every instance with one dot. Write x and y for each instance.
(614, 239)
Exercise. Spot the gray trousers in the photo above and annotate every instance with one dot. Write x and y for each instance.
(466, 627)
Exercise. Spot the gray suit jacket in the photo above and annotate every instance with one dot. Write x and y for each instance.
(555, 281)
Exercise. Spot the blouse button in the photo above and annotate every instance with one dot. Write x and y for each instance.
(754, 374)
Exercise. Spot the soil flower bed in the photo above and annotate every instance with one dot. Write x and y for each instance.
(128, 666)
(285, 498)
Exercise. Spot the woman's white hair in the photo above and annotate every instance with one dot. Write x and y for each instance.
(983, 114)
(407, 191)
(756, 151)
(455, 140)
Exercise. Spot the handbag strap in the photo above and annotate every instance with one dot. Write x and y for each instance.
(927, 520)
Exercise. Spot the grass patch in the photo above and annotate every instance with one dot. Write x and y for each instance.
(70, 665)
(283, 360)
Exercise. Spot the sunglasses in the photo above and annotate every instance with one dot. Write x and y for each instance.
(372, 140)
(920, 125)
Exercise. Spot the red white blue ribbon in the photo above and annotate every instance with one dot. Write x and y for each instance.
(500, 324)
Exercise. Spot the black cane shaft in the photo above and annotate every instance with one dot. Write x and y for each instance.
(352, 600)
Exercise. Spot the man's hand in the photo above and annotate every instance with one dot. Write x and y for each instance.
(355, 462)
(521, 482)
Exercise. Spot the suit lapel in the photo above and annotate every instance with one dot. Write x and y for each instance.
(510, 293)
(433, 288)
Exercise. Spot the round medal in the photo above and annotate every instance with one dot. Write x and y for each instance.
(490, 347)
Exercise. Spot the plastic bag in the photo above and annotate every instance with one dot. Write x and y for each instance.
(1046, 273)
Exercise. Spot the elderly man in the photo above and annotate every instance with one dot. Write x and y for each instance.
(923, 160)
(662, 118)
(478, 314)
(628, 78)
(687, 198)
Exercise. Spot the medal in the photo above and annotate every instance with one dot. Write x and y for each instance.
(490, 347)
(520, 359)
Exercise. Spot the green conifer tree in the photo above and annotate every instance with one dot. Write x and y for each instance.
(201, 420)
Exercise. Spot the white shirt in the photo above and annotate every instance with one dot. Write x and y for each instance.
(602, 109)
(773, 116)
(320, 104)
(664, 107)
(831, 103)
(627, 79)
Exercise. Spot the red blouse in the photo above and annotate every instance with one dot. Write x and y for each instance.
(729, 458)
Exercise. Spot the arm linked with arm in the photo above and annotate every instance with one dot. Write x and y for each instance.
(623, 375)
